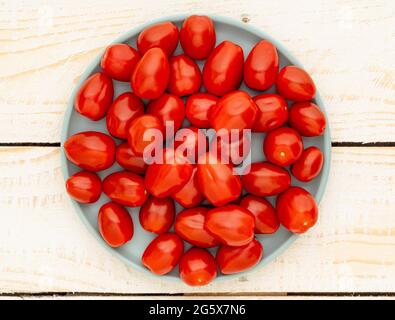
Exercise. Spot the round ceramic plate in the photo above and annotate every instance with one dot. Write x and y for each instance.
(227, 29)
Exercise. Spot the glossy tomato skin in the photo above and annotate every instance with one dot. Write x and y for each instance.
(197, 267)
(119, 60)
(266, 221)
(128, 160)
(164, 179)
(125, 188)
(297, 210)
(223, 70)
(232, 225)
(307, 119)
(216, 180)
(198, 108)
(185, 77)
(238, 259)
(163, 253)
(84, 187)
(123, 110)
(197, 36)
(231, 147)
(265, 179)
(272, 112)
(192, 142)
(115, 224)
(283, 146)
(309, 165)
(295, 84)
(90, 150)
(235, 110)
(157, 215)
(151, 75)
(95, 96)
(189, 196)
(162, 35)
(261, 66)
(146, 124)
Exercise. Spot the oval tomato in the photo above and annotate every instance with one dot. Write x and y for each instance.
(272, 112)
(151, 75)
(307, 119)
(157, 215)
(297, 210)
(84, 187)
(123, 110)
(125, 188)
(94, 96)
(162, 35)
(232, 225)
(261, 66)
(198, 107)
(163, 253)
(128, 160)
(189, 196)
(197, 36)
(119, 60)
(90, 150)
(115, 224)
(197, 267)
(309, 165)
(223, 70)
(237, 259)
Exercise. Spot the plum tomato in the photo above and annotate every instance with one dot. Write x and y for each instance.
(128, 160)
(90, 150)
(84, 187)
(192, 142)
(297, 210)
(163, 253)
(197, 267)
(189, 196)
(115, 224)
(94, 96)
(157, 215)
(307, 119)
(283, 146)
(272, 112)
(309, 165)
(198, 108)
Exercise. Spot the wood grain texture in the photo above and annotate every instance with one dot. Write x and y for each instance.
(347, 45)
(44, 247)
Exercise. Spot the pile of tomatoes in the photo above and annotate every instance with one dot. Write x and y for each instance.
(221, 209)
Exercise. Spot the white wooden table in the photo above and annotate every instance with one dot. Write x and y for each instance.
(348, 47)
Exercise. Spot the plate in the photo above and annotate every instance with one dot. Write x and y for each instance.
(226, 29)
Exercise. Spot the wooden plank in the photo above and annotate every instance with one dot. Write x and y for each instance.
(347, 46)
(45, 248)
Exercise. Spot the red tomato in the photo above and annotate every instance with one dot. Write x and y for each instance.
(294, 83)
(216, 180)
(84, 187)
(223, 70)
(307, 119)
(151, 75)
(163, 253)
(162, 35)
(145, 125)
(309, 165)
(167, 178)
(237, 259)
(123, 110)
(232, 225)
(283, 146)
(265, 179)
(168, 107)
(115, 224)
(236, 110)
(157, 215)
(119, 60)
(191, 142)
(261, 66)
(189, 226)
(128, 160)
(94, 96)
(189, 196)
(272, 112)
(125, 188)
(197, 267)
(198, 107)
(90, 150)
(185, 77)
(197, 36)
(266, 220)
(297, 210)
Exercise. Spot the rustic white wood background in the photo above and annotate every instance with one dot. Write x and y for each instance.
(349, 48)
